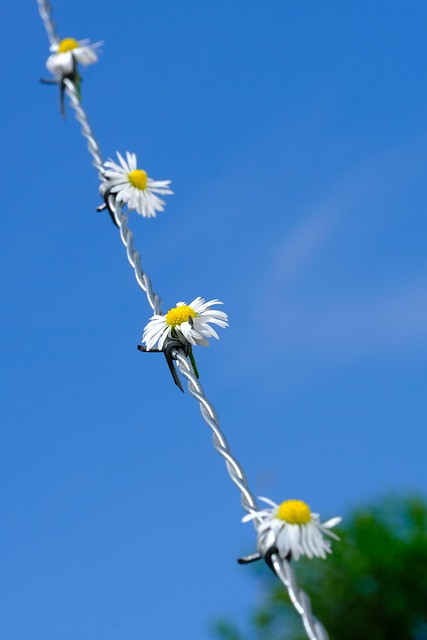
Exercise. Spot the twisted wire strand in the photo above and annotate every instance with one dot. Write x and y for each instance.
(219, 440)
(282, 568)
(115, 208)
(142, 278)
(45, 10)
(86, 130)
(300, 600)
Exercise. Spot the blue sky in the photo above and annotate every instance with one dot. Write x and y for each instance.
(295, 137)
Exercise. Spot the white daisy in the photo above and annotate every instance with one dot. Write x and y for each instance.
(185, 322)
(292, 528)
(133, 187)
(69, 51)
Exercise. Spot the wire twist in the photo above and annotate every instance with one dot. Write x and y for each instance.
(281, 567)
(142, 278)
(86, 130)
(300, 600)
(219, 440)
(45, 10)
(284, 571)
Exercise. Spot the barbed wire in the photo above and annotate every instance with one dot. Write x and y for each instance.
(142, 278)
(281, 567)
(209, 415)
(45, 10)
(81, 117)
(284, 571)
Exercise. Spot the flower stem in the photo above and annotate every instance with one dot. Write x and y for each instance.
(193, 362)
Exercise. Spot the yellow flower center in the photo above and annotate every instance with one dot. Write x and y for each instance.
(138, 179)
(180, 314)
(67, 44)
(294, 512)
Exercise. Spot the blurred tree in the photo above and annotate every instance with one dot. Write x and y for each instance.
(373, 586)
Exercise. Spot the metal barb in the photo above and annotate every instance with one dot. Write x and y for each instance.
(74, 78)
(248, 559)
(267, 557)
(170, 348)
(48, 81)
(106, 205)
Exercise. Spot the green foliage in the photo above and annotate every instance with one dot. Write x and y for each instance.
(373, 586)
(226, 631)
